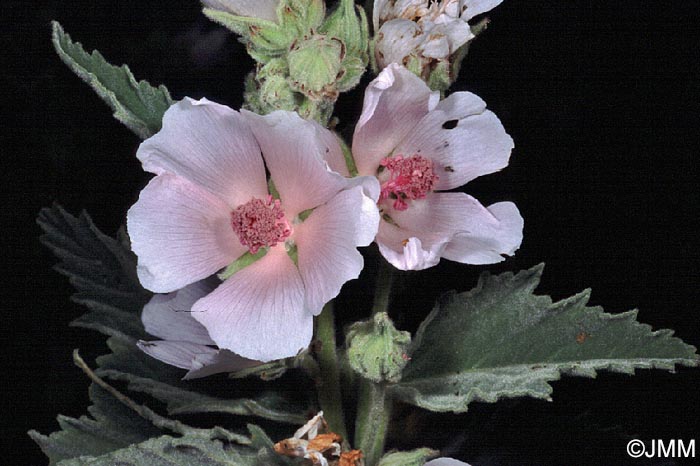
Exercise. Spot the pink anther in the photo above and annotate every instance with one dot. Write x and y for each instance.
(260, 223)
(409, 178)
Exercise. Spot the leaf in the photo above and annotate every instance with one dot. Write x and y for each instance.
(110, 426)
(138, 105)
(500, 340)
(101, 268)
(408, 458)
(187, 450)
(179, 401)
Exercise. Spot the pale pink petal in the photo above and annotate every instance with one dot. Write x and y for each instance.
(199, 360)
(459, 227)
(394, 104)
(380, 10)
(294, 150)
(210, 145)
(334, 155)
(263, 9)
(463, 139)
(476, 7)
(487, 242)
(411, 255)
(456, 32)
(445, 462)
(204, 364)
(180, 233)
(175, 353)
(327, 242)
(169, 316)
(259, 312)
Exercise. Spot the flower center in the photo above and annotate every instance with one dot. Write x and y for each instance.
(409, 178)
(260, 223)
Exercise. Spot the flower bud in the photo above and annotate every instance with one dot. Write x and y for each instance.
(315, 65)
(376, 350)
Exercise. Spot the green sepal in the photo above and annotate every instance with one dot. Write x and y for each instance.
(301, 16)
(408, 458)
(349, 24)
(376, 350)
(244, 261)
(137, 104)
(314, 66)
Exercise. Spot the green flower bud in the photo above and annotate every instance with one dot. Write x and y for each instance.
(314, 66)
(349, 24)
(301, 16)
(376, 350)
(408, 458)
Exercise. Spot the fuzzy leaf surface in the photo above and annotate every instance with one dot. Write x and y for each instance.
(500, 340)
(136, 104)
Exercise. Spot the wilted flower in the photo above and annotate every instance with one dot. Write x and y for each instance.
(417, 145)
(424, 34)
(185, 342)
(209, 206)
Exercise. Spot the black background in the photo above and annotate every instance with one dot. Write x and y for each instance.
(601, 98)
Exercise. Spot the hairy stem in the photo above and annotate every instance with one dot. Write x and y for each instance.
(329, 394)
(374, 409)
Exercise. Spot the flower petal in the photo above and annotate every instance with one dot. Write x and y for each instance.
(394, 103)
(327, 244)
(263, 9)
(169, 316)
(259, 312)
(487, 242)
(294, 150)
(396, 40)
(476, 7)
(445, 462)
(465, 140)
(410, 255)
(199, 360)
(210, 145)
(180, 233)
(459, 227)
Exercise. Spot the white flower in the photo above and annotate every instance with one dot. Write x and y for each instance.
(263, 9)
(418, 146)
(445, 462)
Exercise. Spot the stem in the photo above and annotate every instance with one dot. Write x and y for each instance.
(329, 394)
(374, 409)
(373, 413)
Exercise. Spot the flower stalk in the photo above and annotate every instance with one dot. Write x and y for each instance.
(374, 409)
(329, 394)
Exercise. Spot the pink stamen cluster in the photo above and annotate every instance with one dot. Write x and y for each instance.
(260, 223)
(410, 178)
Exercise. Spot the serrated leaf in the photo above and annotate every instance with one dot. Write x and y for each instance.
(110, 426)
(179, 401)
(137, 104)
(500, 340)
(187, 450)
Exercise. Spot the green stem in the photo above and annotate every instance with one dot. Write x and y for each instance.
(374, 409)
(329, 394)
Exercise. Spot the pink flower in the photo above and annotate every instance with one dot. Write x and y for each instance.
(418, 146)
(445, 462)
(185, 342)
(209, 205)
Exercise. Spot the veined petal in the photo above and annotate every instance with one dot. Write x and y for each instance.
(212, 146)
(259, 312)
(169, 316)
(294, 150)
(394, 104)
(487, 242)
(180, 233)
(445, 462)
(327, 244)
(263, 9)
(396, 40)
(472, 8)
(465, 140)
(407, 252)
(199, 360)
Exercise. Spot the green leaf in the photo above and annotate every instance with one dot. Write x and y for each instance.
(500, 340)
(186, 451)
(110, 426)
(138, 105)
(179, 401)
